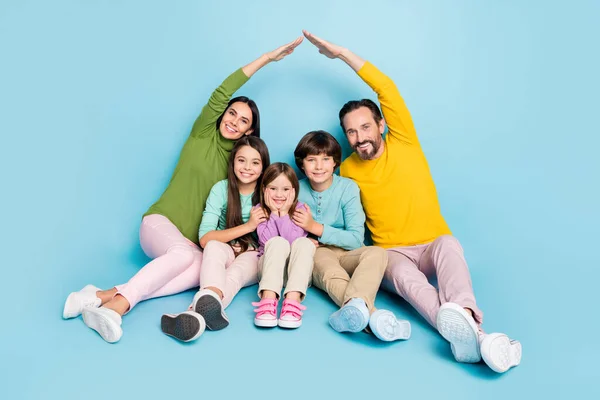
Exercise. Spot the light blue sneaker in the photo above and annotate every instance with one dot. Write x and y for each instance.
(386, 327)
(352, 317)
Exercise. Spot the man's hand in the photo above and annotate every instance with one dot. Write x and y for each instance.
(326, 48)
(334, 51)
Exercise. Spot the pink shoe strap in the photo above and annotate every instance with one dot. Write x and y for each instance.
(265, 306)
(292, 307)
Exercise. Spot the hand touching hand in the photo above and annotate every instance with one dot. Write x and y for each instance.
(285, 50)
(326, 48)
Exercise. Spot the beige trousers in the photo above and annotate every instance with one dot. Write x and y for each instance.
(285, 264)
(350, 274)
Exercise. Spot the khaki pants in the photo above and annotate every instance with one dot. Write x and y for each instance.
(350, 274)
(282, 264)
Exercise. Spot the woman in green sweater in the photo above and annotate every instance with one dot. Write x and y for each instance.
(169, 230)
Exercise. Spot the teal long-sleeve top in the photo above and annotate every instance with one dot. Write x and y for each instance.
(340, 211)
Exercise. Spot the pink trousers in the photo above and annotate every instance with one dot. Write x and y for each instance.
(410, 267)
(175, 267)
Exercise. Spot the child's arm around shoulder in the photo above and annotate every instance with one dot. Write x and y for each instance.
(210, 219)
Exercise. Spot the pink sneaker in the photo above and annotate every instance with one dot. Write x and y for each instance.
(291, 314)
(266, 313)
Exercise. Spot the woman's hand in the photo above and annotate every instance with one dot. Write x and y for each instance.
(275, 55)
(283, 51)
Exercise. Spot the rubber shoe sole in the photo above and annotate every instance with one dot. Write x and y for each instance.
(211, 310)
(187, 326)
(500, 353)
(460, 329)
(385, 326)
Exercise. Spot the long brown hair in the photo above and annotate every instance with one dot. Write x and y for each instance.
(270, 174)
(233, 217)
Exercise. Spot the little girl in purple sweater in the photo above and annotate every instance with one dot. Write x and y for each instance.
(286, 254)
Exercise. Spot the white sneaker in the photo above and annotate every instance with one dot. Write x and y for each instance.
(77, 301)
(499, 352)
(352, 317)
(209, 305)
(105, 321)
(386, 327)
(186, 326)
(458, 327)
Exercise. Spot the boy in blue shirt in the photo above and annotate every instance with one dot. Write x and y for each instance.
(348, 271)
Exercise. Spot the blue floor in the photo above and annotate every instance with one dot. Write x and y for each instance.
(52, 358)
(96, 99)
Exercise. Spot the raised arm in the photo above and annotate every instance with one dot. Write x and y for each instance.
(217, 103)
(272, 56)
(395, 112)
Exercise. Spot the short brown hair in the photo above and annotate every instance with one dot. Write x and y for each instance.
(355, 105)
(270, 174)
(315, 143)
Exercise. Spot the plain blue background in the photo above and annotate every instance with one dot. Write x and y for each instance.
(97, 97)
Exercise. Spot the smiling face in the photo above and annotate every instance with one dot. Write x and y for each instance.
(318, 168)
(279, 189)
(237, 121)
(364, 133)
(247, 165)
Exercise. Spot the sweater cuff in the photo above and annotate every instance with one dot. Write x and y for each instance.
(326, 236)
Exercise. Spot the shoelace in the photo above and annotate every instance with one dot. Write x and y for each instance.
(265, 306)
(292, 307)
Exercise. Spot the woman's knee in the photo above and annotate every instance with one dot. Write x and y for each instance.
(184, 252)
(158, 235)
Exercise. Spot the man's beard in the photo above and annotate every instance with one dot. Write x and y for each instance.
(368, 155)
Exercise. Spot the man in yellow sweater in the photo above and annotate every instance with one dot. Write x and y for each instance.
(403, 215)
